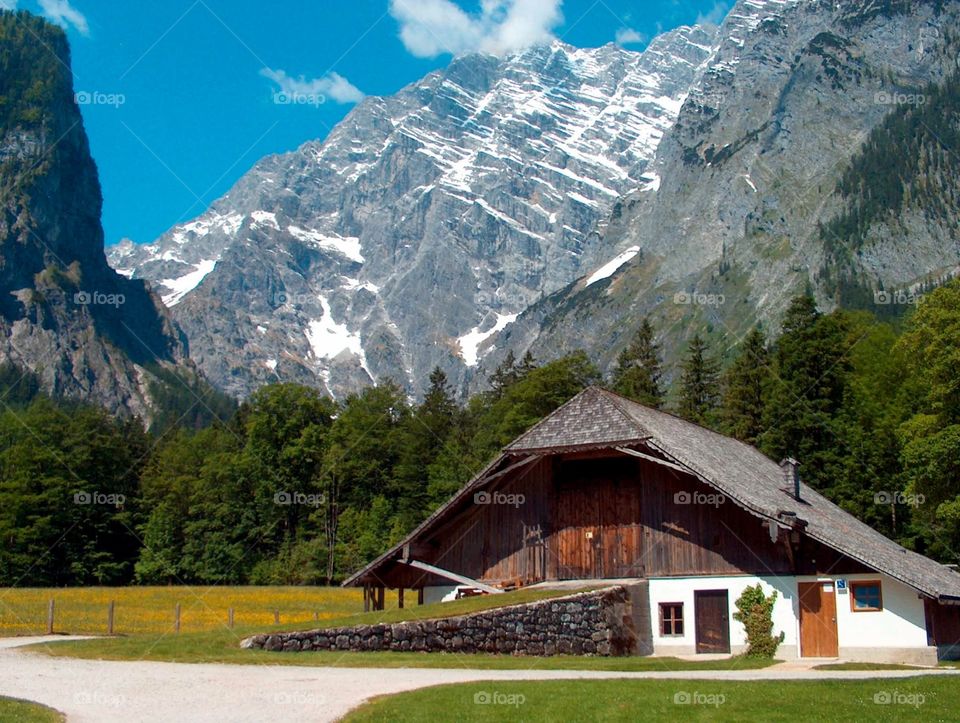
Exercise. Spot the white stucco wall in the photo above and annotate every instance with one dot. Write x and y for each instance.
(901, 623)
(681, 590)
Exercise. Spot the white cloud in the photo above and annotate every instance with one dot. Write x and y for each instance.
(629, 36)
(434, 27)
(715, 15)
(65, 15)
(332, 86)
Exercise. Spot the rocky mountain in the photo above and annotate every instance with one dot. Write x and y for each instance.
(817, 149)
(84, 330)
(426, 222)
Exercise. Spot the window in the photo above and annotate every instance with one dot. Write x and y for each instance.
(866, 596)
(671, 620)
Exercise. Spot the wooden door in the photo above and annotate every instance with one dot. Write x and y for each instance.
(577, 534)
(622, 531)
(712, 614)
(818, 620)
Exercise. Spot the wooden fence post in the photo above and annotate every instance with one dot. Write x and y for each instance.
(50, 611)
(276, 617)
(400, 598)
(110, 610)
(230, 618)
(316, 616)
(176, 619)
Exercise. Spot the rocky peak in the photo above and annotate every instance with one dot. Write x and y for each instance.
(425, 222)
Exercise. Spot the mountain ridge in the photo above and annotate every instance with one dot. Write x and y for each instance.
(491, 175)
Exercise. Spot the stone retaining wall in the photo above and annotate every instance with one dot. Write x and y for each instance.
(591, 623)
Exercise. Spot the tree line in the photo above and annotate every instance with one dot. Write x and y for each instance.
(296, 488)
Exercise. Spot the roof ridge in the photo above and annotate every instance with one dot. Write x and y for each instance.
(590, 390)
(667, 413)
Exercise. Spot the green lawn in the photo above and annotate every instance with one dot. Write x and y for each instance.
(22, 711)
(911, 699)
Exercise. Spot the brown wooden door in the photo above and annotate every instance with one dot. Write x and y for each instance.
(712, 613)
(818, 620)
(577, 533)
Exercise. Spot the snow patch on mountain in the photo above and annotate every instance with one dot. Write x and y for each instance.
(183, 285)
(329, 338)
(609, 269)
(470, 343)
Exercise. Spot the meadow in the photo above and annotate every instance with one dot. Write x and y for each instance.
(151, 610)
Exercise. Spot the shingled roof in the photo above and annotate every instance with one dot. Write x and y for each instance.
(596, 418)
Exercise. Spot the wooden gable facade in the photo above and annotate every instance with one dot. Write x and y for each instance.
(587, 494)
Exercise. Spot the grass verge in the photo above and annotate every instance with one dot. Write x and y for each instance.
(906, 699)
(13, 710)
(866, 666)
(224, 648)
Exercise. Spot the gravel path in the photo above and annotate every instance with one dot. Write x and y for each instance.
(100, 691)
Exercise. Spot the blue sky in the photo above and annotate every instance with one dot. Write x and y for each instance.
(181, 97)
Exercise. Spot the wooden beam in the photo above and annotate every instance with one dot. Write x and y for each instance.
(400, 598)
(419, 596)
(446, 574)
(651, 458)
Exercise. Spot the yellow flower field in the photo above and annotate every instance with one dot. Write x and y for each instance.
(152, 609)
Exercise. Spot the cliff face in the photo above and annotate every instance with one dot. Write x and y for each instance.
(814, 151)
(88, 332)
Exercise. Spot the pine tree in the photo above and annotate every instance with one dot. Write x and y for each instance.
(637, 374)
(699, 383)
(504, 375)
(745, 388)
(510, 371)
(812, 369)
(423, 436)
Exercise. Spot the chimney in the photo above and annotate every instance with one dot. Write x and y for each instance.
(791, 477)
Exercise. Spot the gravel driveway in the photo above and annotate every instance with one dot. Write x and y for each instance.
(97, 691)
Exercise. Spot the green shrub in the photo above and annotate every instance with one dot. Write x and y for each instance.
(755, 612)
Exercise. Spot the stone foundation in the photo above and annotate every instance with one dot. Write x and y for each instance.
(591, 623)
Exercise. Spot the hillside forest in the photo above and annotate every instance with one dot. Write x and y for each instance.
(291, 487)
